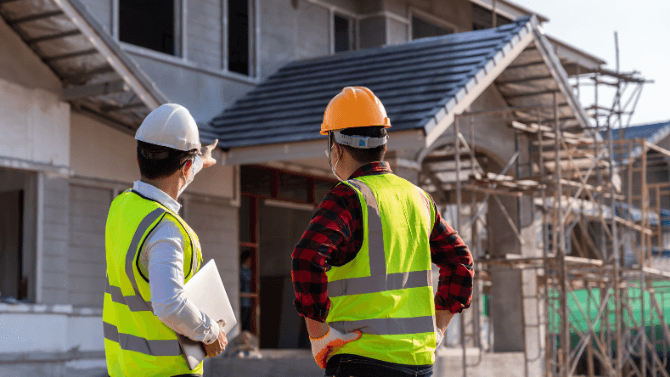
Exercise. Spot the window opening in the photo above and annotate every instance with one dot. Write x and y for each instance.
(482, 18)
(238, 36)
(12, 282)
(149, 23)
(424, 29)
(343, 34)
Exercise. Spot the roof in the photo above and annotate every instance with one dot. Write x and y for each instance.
(98, 78)
(418, 82)
(654, 132)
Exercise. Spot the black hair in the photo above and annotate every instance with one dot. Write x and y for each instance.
(157, 161)
(365, 156)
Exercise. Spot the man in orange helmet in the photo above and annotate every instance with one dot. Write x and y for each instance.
(362, 269)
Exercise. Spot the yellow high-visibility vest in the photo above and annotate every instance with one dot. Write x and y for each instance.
(386, 291)
(137, 343)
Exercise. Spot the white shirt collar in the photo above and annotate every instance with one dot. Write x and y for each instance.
(152, 192)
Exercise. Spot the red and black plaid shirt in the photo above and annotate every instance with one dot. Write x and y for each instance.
(335, 235)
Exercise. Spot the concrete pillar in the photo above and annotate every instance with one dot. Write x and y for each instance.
(55, 239)
(514, 306)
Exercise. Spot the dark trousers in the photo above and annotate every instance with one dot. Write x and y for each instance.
(345, 365)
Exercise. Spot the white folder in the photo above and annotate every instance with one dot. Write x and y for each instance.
(206, 291)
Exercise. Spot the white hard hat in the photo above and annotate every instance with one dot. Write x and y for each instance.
(170, 125)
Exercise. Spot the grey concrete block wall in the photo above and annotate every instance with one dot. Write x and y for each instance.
(204, 94)
(102, 11)
(55, 243)
(372, 32)
(217, 227)
(288, 33)
(86, 258)
(312, 28)
(398, 32)
(204, 24)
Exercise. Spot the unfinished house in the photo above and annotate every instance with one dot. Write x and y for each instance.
(485, 117)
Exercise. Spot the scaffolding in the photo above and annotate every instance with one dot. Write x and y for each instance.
(600, 303)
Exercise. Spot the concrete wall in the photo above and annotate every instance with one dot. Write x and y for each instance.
(204, 32)
(34, 125)
(204, 93)
(86, 258)
(217, 226)
(288, 33)
(42, 340)
(55, 244)
(101, 11)
(104, 153)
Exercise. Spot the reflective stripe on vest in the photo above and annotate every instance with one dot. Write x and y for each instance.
(380, 281)
(134, 303)
(135, 343)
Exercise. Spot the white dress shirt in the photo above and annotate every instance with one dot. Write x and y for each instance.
(163, 256)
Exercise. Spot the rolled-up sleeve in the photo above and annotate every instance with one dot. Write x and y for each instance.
(164, 258)
(452, 256)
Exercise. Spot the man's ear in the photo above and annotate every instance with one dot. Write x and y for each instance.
(187, 166)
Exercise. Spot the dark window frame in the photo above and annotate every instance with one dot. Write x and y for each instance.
(248, 69)
(350, 33)
(178, 29)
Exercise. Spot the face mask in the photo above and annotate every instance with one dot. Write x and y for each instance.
(195, 168)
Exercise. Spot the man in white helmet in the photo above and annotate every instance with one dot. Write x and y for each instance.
(151, 252)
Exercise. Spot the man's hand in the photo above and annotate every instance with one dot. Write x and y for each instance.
(442, 319)
(215, 348)
(206, 151)
(322, 346)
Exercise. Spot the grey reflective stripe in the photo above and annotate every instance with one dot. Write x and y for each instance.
(134, 244)
(387, 326)
(373, 284)
(427, 203)
(375, 233)
(135, 343)
(134, 303)
(379, 280)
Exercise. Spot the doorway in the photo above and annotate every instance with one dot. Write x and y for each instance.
(17, 208)
(276, 208)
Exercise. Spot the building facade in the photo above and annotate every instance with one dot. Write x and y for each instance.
(67, 149)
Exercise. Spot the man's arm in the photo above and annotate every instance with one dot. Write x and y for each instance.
(330, 239)
(165, 258)
(452, 256)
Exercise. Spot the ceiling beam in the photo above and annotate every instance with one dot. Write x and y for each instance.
(34, 17)
(53, 36)
(71, 55)
(76, 92)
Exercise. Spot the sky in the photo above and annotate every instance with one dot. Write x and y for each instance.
(643, 27)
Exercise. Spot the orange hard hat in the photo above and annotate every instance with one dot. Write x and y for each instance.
(354, 106)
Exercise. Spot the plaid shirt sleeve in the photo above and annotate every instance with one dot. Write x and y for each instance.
(332, 238)
(452, 256)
